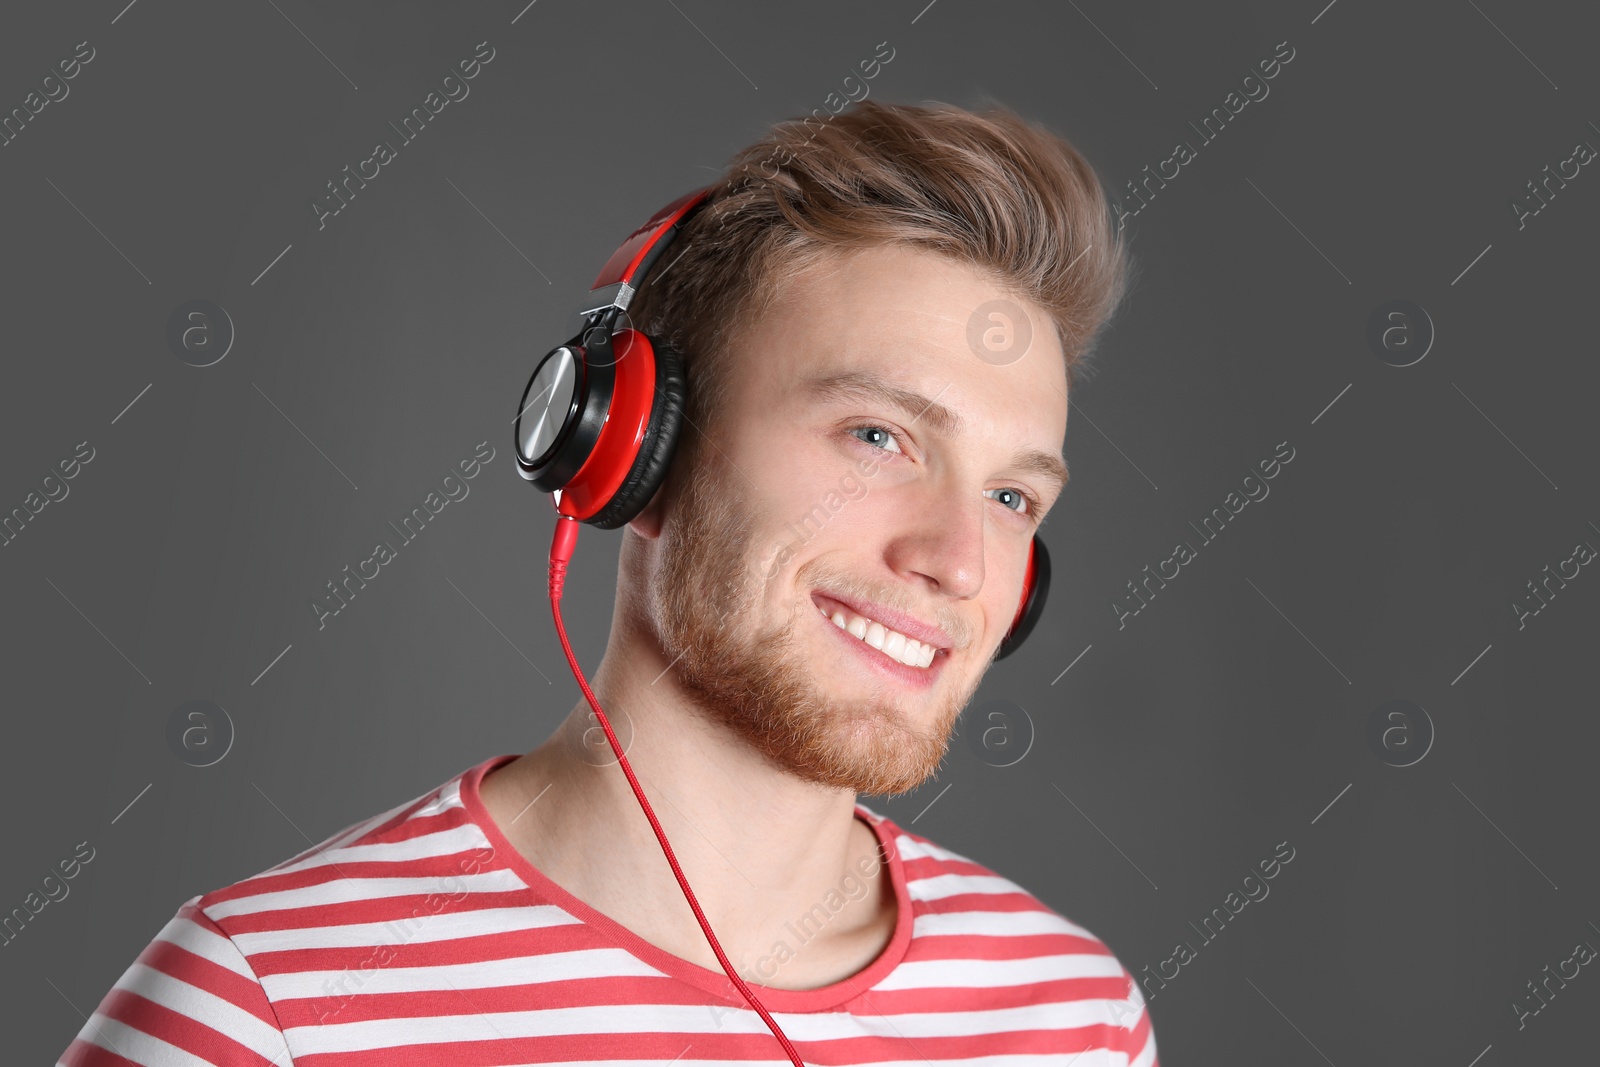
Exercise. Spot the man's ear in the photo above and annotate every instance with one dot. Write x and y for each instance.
(647, 523)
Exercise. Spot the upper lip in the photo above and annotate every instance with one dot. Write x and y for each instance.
(912, 627)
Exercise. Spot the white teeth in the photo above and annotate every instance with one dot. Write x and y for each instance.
(875, 632)
(891, 643)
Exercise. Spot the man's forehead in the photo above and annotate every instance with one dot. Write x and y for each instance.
(838, 326)
(892, 302)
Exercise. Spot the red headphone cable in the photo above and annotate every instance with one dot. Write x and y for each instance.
(561, 547)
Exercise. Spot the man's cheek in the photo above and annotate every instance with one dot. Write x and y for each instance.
(780, 560)
(870, 465)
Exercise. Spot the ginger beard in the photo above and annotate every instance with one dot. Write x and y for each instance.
(764, 686)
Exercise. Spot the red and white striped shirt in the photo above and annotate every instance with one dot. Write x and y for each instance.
(421, 936)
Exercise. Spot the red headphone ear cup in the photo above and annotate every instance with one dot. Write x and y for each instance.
(1034, 590)
(661, 433)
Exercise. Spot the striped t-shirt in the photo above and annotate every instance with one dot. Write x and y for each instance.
(421, 936)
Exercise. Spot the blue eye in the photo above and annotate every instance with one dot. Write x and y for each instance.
(878, 429)
(1019, 495)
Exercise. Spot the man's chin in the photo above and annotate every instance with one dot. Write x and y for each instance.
(811, 708)
(883, 751)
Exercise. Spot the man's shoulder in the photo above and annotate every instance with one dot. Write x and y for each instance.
(950, 882)
(238, 968)
(979, 929)
(406, 849)
(955, 895)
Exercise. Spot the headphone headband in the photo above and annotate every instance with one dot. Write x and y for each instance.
(630, 264)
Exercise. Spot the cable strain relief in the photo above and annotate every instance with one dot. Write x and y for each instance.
(562, 543)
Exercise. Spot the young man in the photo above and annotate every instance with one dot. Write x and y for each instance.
(801, 613)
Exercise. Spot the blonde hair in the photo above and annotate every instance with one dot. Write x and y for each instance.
(989, 189)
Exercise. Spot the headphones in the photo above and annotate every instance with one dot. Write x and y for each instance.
(600, 419)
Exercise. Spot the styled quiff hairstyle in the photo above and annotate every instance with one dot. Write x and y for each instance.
(989, 189)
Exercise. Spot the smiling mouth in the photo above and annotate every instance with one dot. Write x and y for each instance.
(897, 646)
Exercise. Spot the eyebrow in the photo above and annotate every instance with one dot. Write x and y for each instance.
(864, 385)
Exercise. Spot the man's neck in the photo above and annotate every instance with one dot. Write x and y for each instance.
(760, 848)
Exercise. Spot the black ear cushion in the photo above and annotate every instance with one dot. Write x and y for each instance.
(660, 441)
(1033, 602)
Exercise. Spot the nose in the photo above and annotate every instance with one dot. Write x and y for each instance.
(941, 541)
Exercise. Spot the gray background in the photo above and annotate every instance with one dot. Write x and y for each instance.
(1228, 716)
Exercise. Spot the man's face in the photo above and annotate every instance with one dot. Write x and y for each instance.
(807, 501)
